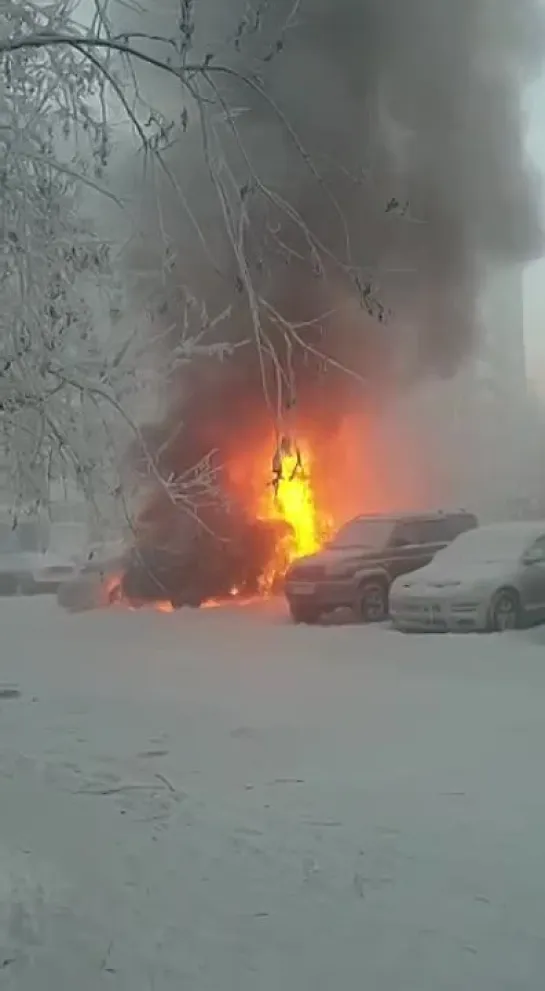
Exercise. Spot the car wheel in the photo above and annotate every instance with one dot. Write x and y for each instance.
(505, 612)
(372, 604)
(304, 614)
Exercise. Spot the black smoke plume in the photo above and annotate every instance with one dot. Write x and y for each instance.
(383, 170)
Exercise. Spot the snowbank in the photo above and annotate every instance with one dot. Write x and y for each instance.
(217, 799)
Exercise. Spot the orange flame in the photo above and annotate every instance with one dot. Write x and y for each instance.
(294, 502)
(163, 606)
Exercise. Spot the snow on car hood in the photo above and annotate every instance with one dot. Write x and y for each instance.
(443, 574)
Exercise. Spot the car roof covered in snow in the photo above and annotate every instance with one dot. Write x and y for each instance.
(433, 514)
(518, 529)
(493, 542)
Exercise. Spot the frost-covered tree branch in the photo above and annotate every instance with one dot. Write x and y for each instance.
(66, 87)
(64, 375)
(51, 356)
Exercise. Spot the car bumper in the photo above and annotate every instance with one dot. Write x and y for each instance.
(439, 616)
(326, 595)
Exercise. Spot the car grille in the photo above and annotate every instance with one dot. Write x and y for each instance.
(421, 605)
(306, 574)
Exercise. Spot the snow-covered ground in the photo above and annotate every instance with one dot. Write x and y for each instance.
(220, 801)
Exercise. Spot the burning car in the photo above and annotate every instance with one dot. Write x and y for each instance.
(237, 548)
(204, 568)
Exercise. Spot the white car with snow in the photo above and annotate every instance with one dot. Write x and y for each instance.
(491, 578)
(96, 579)
(22, 548)
(36, 557)
(49, 571)
(66, 545)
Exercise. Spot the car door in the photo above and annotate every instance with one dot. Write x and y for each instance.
(532, 580)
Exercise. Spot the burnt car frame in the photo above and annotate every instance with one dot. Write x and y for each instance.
(357, 567)
(202, 568)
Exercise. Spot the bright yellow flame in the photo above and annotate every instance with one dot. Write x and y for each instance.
(294, 503)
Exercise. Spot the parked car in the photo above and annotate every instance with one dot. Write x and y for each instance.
(96, 580)
(35, 557)
(188, 572)
(16, 572)
(56, 565)
(490, 579)
(22, 547)
(355, 570)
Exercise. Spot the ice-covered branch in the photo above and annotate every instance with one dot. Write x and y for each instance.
(66, 371)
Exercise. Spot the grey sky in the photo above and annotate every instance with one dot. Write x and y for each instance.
(534, 279)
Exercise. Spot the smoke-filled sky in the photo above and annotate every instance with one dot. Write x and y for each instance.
(413, 99)
(395, 101)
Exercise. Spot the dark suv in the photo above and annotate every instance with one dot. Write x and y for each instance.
(357, 567)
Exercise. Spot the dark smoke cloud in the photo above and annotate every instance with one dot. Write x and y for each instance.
(395, 102)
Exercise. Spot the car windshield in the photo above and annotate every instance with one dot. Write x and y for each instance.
(490, 545)
(367, 533)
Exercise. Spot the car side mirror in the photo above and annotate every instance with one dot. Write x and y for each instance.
(534, 556)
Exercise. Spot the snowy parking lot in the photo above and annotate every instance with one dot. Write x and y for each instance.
(220, 800)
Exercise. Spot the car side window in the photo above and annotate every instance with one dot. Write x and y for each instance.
(431, 532)
(417, 532)
(404, 535)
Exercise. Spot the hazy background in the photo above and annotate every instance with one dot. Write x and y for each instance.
(534, 276)
(457, 159)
